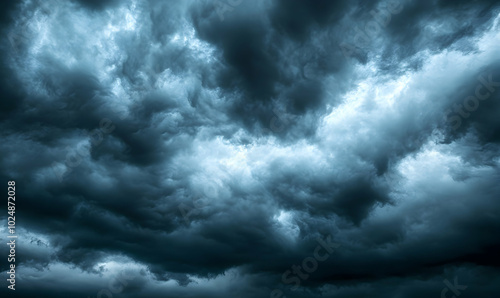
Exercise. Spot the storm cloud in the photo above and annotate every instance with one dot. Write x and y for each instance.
(206, 148)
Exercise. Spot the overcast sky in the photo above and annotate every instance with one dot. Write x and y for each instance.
(206, 148)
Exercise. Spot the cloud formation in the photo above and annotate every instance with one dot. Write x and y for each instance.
(204, 156)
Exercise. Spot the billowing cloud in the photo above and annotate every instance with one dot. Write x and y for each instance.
(224, 148)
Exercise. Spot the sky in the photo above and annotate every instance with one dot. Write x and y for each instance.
(237, 148)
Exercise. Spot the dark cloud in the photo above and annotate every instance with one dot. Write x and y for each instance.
(96, 4)
(201, 148)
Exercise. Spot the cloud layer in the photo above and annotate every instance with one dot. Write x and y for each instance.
(201, 148)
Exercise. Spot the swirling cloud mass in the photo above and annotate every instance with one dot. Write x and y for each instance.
(236, 148)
